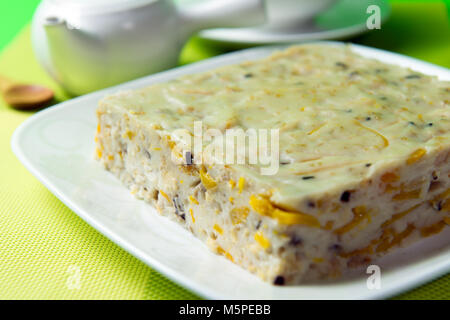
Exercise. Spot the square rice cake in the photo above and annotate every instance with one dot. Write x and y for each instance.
(363, 161)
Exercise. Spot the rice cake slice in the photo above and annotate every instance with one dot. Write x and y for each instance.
(364, 159)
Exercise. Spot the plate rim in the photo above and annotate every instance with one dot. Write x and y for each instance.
(175, 276)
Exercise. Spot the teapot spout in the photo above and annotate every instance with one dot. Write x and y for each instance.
(223, 14)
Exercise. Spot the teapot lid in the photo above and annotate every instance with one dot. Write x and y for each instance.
(100, 6)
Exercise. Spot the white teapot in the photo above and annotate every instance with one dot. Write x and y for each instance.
(88, 45)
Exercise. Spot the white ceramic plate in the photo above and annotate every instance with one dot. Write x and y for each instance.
(57, 146)
(346, 18)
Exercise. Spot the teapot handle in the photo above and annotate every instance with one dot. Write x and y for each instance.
(222, 13)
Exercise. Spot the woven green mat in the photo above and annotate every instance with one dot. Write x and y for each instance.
(45, 248)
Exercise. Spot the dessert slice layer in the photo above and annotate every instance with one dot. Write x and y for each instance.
(362, 167)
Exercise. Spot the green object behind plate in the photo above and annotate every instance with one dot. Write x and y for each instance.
(348, 13)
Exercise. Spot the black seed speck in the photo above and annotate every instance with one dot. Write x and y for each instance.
(437, 206)
(248, 75)
(430, 124)
(258, 225)
(179, 209)
(345, 196)
(368, 165)
(189, 158)
(147, 154)
(336, 247)
(279, 281)
(295, 240)
(434, 175)
(412, 123)
(311, 204)
(284, 162)
(308, 177)
(342, 65)
(368, 118)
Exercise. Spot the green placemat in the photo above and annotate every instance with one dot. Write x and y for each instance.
(47, 252)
